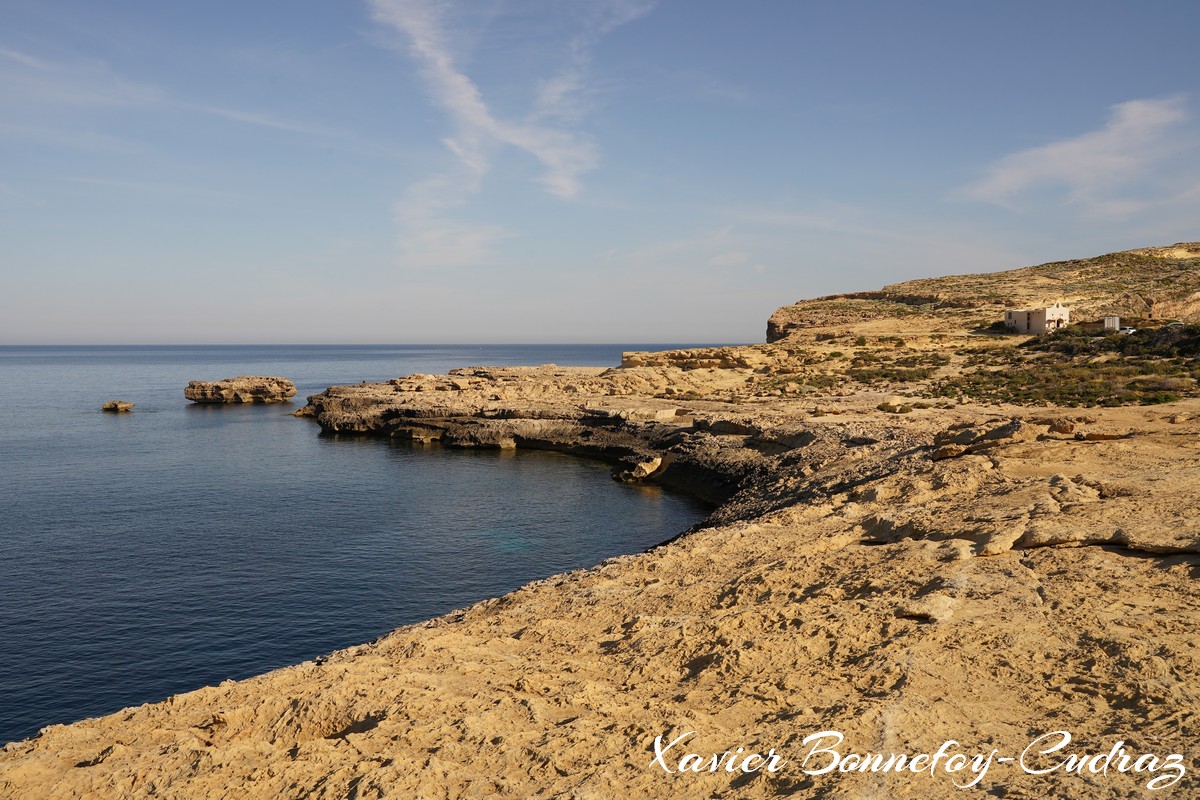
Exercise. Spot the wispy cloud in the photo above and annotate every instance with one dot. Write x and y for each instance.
(26, 80)
(729, 258)
(22, 58)
(71, 137)
(562, 96)
(430, 236)
(564, 153)
(1099, 171)
(31, 84)
(699, 248)
(162, 189)
(264, 120)
(896, 245)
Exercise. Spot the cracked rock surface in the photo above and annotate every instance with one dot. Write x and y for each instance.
(849, 581)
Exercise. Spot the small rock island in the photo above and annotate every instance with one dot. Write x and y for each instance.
(242, 389)
(117, 406)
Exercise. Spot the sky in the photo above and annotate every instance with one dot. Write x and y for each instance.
(486, 171)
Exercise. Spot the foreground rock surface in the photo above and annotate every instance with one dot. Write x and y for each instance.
(976, 572)
(243, 389)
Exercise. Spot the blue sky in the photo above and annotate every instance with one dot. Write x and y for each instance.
(564, 170)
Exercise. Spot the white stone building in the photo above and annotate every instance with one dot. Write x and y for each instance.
(1038, 320)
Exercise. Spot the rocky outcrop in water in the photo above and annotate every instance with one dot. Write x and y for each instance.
(243, 389)
(117, 406)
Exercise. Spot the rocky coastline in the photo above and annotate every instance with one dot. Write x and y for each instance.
(890, 560)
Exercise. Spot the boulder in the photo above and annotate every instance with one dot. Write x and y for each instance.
(117, 406)
(956, 436)
(948, 451)
(1062, 426)
(243, 389)
(641, 470)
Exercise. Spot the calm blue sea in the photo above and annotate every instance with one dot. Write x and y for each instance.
(154, 552)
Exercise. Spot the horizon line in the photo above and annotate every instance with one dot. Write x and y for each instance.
(374, 344)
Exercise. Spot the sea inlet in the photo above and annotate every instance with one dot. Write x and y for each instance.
(177, 546)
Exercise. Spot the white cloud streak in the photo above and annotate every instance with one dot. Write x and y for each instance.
(28, 81)
(29, 84)
(22, 58)
(564, 154)
(1097, 171)
(729, 258)
(909, 246)
(431, 238)
(559, 97)
(261, 120)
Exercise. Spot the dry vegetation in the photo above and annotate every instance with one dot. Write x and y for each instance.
(941, 338)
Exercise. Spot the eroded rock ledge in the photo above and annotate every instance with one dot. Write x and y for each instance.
(929, 474)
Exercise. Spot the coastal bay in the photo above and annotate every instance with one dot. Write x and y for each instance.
(177, 546)
(457, 400)
(893, 559)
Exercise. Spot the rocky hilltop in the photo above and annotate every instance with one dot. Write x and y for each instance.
(1158, 283)
(915, 549)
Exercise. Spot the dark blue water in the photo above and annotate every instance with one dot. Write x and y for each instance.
(154, 552)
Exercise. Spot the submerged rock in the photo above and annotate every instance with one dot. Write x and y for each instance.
(242, 389)
(117, 406)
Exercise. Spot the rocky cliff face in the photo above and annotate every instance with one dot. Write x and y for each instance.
(904, 570)
(243, 389)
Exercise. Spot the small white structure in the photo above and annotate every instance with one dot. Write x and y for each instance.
(1112, 323)
(1038, 320)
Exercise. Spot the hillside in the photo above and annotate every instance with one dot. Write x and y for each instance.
(939, 340)
(1158, 283)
